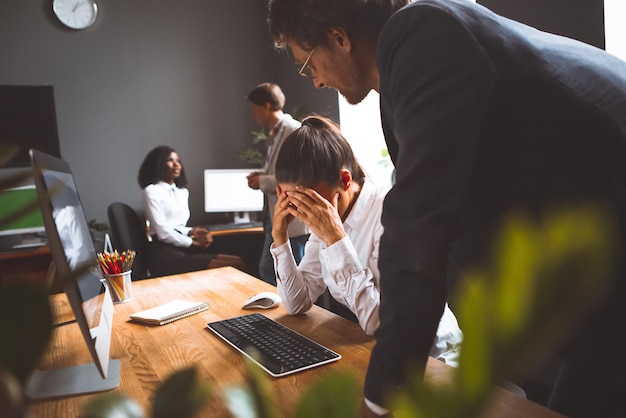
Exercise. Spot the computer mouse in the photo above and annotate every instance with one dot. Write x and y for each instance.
(263, 300)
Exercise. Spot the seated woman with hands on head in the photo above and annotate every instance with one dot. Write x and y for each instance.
(321, 183)
(176, 248)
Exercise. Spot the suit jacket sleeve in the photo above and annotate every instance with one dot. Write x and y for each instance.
(436, 86)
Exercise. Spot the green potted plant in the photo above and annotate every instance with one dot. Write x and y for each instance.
(255, 153)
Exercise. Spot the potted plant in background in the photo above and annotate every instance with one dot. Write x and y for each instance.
(255, 153)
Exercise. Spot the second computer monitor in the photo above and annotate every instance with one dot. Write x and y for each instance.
(226, 190)
(12, 200)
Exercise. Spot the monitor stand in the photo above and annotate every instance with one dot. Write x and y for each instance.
(241, 218)
(70, 381)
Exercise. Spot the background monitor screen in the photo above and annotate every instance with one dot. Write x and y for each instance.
(73, 251)
(226, 190)
(28, 119)
(12, 200)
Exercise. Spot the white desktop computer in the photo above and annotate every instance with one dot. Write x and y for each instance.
(226, 190)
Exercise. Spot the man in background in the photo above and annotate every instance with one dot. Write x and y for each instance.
(481, 114)
(266, 106)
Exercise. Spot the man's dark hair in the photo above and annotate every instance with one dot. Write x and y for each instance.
(307, 21)
(315, 153)
(153, 166)
(267, 93)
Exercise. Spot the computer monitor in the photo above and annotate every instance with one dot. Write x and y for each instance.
(72, 249)
(14, 200)
(21, 225)
(226, 190)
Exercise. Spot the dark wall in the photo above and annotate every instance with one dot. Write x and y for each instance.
(153, 72)
(579, 19)
(150, 72)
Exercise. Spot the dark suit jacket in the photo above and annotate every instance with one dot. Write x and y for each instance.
(482, 114)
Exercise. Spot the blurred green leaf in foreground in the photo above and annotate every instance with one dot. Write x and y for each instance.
(543, 276)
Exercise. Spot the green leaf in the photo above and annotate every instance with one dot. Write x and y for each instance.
(240, 402)
(260, 138)
(336, 396)
(542, 276)
(182, 395)
(11, 400)
(428, 401)
(515, 264)
(111, 405)
(253, 156)
(475, 375)
(25, 326)
(260, 391)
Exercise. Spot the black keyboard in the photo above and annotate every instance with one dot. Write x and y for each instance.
(240, 225)
(274, 347)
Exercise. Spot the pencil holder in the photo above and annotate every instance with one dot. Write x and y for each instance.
(116, 267)
(120, 286)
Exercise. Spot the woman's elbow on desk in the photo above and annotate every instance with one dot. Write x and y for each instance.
(292, 306)
(296, 308)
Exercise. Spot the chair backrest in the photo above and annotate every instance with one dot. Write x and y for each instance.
(128, 232)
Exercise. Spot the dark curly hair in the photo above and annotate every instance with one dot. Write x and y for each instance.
(315, 153)
(153, 166)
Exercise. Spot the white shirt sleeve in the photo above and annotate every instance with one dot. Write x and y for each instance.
(375, 408)
(168, 215)
(299, 286)
(337, 268)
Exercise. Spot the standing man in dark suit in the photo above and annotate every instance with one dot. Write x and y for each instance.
(266, 102)
(480, 114)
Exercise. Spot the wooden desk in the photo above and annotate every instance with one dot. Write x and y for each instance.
(238, 231)
(148, 354)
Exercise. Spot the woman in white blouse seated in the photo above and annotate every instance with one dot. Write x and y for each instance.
(321, 183)
(176, 247)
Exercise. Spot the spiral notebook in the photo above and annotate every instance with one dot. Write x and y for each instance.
(169, 312)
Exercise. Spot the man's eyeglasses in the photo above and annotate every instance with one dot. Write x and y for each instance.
(306, 70)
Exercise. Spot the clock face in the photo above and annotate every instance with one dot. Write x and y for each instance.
(76, 14)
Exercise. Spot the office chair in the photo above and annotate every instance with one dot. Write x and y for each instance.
(128, 232)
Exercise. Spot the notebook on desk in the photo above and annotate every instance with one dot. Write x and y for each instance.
(169, 312)
(275, 348)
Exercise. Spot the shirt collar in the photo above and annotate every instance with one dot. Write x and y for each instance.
(166, 185)
(363, 205)
(276, 128)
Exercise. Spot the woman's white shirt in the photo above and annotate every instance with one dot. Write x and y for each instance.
(167, 209)
(349, 269)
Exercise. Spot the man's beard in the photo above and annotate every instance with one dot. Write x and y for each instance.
(355, 97)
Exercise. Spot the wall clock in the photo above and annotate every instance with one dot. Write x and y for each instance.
(76, 14)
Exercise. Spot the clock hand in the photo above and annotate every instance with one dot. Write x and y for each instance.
(76, 6)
